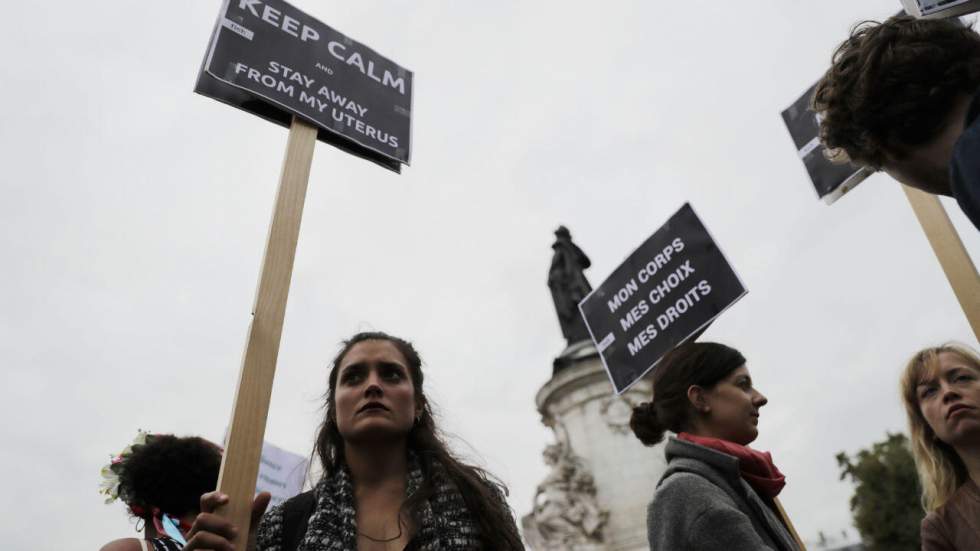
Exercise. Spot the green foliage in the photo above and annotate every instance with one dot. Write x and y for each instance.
(886, 506)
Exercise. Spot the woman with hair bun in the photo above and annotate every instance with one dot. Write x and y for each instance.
(941, 391)
(717, 493)
(160, 478)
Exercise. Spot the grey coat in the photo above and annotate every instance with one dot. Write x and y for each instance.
(702, 504)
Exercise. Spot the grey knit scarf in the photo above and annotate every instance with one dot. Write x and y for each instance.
(444, 521)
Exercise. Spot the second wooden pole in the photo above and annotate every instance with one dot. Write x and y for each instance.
(952, 255)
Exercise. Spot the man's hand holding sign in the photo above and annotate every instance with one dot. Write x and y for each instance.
(273, 60)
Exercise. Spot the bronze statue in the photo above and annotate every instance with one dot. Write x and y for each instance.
(568, 285)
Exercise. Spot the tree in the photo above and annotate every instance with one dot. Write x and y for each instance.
(886, 503)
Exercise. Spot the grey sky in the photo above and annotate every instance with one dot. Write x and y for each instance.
(135, 214)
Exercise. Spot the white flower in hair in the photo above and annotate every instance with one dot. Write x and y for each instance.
(110, 477)
(110, 483)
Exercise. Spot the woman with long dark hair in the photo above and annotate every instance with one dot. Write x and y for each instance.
(941, 391)
(717, 493)
(389, 480)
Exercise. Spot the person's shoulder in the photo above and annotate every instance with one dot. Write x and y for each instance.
(931, 521)
(276, 511)
(123, 544)
(689, 492)
(933, 534)
(679, 501)
(302, 500)
(684, 482)
(943, 528)
(479, 481)
(497, 490)
(944, 524)
(270, 525)
(959, 500)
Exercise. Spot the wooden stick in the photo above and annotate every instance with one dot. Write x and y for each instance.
(789, 524)
(946, 243)
(240, 465)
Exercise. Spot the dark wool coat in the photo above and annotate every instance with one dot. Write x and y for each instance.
(702, 503)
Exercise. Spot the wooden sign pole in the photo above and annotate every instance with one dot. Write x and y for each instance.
(789, 524)
(946, 243)
(240, 465)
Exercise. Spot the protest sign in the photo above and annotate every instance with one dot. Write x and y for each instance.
(275, 61)
(271, 59)
(281, 473)
(668, 290)
(831, 180)
(940, 8)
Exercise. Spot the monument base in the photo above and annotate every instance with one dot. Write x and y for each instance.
(602, 478)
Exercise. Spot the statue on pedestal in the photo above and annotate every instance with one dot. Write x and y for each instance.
(585, 503)
(568, 285)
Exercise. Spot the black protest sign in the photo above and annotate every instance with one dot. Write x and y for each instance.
(667, 291)
(273, 60)
(831, 180)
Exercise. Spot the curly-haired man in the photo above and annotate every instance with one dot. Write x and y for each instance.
(902, 97)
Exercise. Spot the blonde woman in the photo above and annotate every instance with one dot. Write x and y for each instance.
(941, 390)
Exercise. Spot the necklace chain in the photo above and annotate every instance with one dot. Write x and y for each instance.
(384, 540)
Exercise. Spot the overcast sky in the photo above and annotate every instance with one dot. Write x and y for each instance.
(135, 214)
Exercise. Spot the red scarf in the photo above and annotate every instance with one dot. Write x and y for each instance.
(755, 467)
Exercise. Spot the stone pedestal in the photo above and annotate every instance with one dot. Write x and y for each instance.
(591, 426)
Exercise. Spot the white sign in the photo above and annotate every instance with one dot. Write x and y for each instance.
(281, 473)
